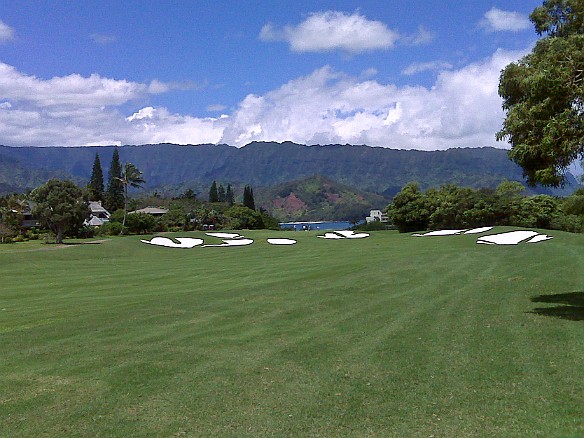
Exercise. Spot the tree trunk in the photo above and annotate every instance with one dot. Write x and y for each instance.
(125, 206)
(59, 238)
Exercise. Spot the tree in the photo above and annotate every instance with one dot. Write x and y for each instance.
(229, 196)
(131, 177)
(410, 209)
(221, 195)
(244, 218)
(213, 194)
(248, 200)
(114, 196)
(60, 206)
(11, 215)
(543, 95)
(95, 185)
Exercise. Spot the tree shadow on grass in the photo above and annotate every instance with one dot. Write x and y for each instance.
(572, 308)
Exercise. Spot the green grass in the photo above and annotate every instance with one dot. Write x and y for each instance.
(387, 336)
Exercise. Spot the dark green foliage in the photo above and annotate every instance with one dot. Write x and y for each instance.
(114, 195)
(131, 177)
(536, 212)
(574, 204)
(111, 229)
(175, 220)
(60, 207)
(18, 175)
(11, 216)
(377, 170)
(189, 194)
(95, 186)
(543, 94)
(559, 18)
(221, 194)
(213, 193)
(135, 223)
(229, 196)
(248, 199)
(140, 223)
(452, 207)
(410, 209)
(244, 218)
(318, 198)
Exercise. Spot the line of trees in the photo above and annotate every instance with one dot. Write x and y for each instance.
(221, 194)
(453, 207)
(62, 208)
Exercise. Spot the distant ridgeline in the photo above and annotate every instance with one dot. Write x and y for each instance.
(174, 168)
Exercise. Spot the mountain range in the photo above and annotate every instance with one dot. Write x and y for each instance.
(267, 166)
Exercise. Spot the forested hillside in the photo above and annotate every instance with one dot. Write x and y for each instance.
(16, 177)
(318, 197)
(379, 170)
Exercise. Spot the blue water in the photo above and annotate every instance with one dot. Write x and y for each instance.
(326, 225)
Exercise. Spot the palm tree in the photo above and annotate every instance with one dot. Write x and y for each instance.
(131, 176)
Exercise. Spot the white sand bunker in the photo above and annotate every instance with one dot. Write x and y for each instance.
(225, 235)
(281, 241)
(513, 238)
(478, 230)
(234, 242)
(454, 232)
(184, 242)
(344, 235)
(439, 233)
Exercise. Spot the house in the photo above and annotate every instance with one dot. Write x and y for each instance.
(28, 221)
(98, 216)
(151, 210)
(24, 208)
(377, 216)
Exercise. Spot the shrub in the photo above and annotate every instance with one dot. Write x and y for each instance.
(111, 229)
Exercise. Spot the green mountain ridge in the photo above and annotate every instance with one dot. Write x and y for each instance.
(317, 198)
(262, 164)
(15, 177)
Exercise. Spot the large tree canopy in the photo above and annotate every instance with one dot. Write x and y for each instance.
(543, 95)
(60, 206)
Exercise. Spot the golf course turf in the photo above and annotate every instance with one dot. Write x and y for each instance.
(391, 335)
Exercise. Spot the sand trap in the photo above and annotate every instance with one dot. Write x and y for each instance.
(510, 238)
(235, 242)
(281, 241)
(352, 234)
(225, 235)
(343, 235)
(478, 230)
(331, 236)
(184, 242)
(440, 233)
(539, 238)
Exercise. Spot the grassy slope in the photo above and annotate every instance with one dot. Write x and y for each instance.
(386, 336)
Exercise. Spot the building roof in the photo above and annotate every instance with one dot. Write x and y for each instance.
(94, 221)
(96, 207)
(151, 210)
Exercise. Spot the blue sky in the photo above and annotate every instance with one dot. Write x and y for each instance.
(401, 74)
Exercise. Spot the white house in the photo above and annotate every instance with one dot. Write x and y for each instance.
(376, 216)
(99, 215)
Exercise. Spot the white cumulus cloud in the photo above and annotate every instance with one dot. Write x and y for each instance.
(6, 32)
(497, 20)
(333, 30)
(419, 67)
(461, 109)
